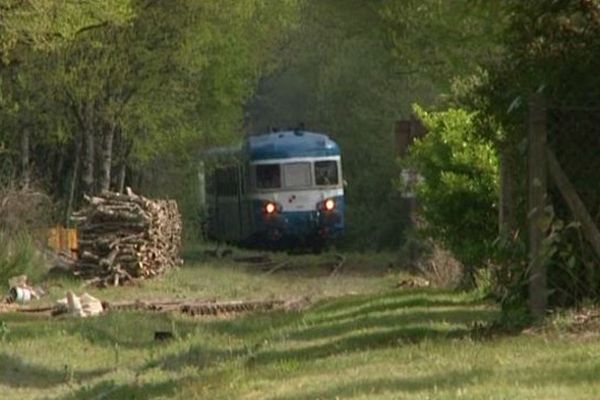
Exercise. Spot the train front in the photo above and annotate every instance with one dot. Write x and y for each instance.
(297, 191)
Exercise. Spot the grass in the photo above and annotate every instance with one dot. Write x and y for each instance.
(361, 339)
(224, 279)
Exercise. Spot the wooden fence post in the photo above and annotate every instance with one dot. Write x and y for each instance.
(537, 191)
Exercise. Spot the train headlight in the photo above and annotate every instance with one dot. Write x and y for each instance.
(329, 205)
(270, 208)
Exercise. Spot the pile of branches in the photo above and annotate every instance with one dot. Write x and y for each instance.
(126, 236)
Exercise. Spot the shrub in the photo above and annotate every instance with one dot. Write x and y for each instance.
(24, 214)
(18, 255)
(458, 189)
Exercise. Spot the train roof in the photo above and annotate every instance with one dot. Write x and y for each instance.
(287, 144)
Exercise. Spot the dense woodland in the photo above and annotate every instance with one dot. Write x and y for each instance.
(106, 94)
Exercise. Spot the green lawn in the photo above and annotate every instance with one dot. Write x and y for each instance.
(361, 339)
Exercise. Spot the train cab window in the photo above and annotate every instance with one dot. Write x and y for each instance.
(326, 173)
(296, 174)
(268, 176)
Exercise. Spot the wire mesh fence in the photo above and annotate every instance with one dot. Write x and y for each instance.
(564, 239)
(574, 138)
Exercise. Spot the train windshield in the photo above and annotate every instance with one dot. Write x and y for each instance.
(297, 174)
(268, 176)
(326, 173)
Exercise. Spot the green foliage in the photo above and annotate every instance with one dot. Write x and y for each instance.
(440, 40)
(459, 184)
(572, 273)
(45, 25)
(550, 48)
(18, 255)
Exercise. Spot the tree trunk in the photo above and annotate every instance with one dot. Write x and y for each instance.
(122, 176)
(74, 179)
(25, 157)
(87, 170)
(108, 134)
(60, 178)
(123, 148)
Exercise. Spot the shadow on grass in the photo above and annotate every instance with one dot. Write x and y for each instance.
(198, 357)
(390, 304)
(17, 373)
(255, 326)
(398, 297)
(111, 390)
(455, 316)
(574, 375)
(369, 322)
(372, 387)
(351, 312)
(356, 343)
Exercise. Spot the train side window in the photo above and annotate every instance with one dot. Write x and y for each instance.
(326, 173)
(268, 176)
(296, 174)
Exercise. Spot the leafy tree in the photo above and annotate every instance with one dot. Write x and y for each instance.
(44, 25)
(441, 40)
(105, 89)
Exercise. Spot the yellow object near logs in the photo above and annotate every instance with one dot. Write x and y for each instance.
(62, 239)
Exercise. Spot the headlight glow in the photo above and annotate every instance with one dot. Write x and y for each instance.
(270, 208)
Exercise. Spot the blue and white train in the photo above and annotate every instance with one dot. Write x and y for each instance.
(281, 188)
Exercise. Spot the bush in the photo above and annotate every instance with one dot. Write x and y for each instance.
(24, 214)
(458, 187)
(18, 255)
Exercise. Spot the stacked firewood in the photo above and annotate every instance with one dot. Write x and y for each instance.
(127, 236)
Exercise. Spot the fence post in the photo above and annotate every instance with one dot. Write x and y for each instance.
(537, 191)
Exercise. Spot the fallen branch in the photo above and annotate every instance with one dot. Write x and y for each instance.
(338, 265)
(277, 267)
